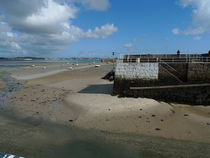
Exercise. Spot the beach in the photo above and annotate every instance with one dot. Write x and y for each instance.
(79, 98)
(87, 103)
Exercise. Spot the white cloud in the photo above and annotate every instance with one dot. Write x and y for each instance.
(101, 32)
(197, 38)
(201, 17)
(49, 18)
(100, 5)
(189, 31)
(96, 4)
(42, 26)
(176, 31)
(8, 40)
(128, 45)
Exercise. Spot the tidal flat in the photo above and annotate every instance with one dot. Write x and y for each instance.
(72, 114)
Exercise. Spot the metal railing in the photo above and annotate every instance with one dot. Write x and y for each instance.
(166, 60)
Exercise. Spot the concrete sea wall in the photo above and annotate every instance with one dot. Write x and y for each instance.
(154, 75)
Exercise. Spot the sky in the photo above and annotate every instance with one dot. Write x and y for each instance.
(96, 28)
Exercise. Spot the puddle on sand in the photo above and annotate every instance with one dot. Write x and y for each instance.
(11, 87)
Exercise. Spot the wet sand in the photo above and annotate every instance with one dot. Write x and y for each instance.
(77, 106)
(88, 104)
(2, 84)
(40, 139)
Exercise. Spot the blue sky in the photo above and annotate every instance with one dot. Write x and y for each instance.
(134, 26)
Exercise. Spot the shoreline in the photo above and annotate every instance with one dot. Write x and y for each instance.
(40, 71)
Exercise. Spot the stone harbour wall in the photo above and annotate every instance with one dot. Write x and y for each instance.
(159, 74)
(137, 70)
(198, 72)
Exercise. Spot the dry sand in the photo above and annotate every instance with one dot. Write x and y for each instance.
(87, 103)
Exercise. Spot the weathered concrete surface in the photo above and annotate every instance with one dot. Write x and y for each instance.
(199, 72)
(137, 70)
(173, 73)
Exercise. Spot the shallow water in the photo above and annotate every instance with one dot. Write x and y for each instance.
(22, 63)
(36, 138)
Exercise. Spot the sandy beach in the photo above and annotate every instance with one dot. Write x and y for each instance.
(80, 98)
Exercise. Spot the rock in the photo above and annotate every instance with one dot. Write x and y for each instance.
(153, 115)
(186, 115)
(157, 129)
(208, 124)
(71, 120)
(173, 111)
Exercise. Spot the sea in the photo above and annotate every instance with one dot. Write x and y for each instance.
(20, 63)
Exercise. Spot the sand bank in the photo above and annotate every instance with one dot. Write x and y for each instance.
(87, 103)
(39, 71)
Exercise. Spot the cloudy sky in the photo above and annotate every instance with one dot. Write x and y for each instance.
(66, 28)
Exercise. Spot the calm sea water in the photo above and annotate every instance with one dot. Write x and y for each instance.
(15, 63)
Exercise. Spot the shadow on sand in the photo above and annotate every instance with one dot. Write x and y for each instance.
(98, 89)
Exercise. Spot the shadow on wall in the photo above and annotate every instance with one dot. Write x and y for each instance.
(98, 89)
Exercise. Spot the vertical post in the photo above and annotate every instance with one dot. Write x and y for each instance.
(113, 53)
